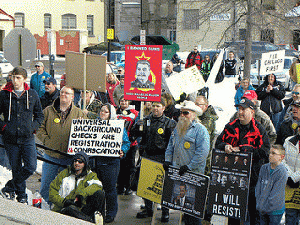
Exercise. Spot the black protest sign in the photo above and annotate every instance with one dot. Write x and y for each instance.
(229, 186)
(96, 137)
(186, 193)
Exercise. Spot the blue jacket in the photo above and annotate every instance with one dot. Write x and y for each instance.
(22, 116)
(240, 92)
(36, 82)
(191, 150)
(270, 188)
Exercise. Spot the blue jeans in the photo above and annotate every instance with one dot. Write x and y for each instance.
(49, 172)
(275, 118)
(4, 161)
(292, 216)
(266, 219)
(108, 171)
(18, 153)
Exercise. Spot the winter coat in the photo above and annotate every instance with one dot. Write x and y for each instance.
(240, 92)
(172, 112)
(47, 99)
(292, 164)
(270, 102)
(155, 135)
(110, 87)
(249, 138)
(67, 186)
(54, 133)
(270, 189)
(230, 66)
(265, 121)
(93, 107)
(190, 150)
(37, 82)
(194, 59)
(287, 129)
(293, 72)
(22, 116)
(205, 69)
(118, 92)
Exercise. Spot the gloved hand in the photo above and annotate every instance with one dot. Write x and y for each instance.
(68, 202)
(182, 97)
(78, 200)
(292, 184)
(166, 165)
(183, 169)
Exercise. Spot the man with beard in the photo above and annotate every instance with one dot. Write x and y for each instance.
(51, 92)
(245, 134)
(188, 146)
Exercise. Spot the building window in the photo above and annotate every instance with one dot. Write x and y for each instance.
(267, 35)
(173, 35)
(19, 20)
(268, 4)
(242, 34)
(68, 21)
(90, 25)
(47, 21)
(191, 19)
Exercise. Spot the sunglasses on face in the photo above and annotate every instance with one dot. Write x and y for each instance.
(47, 83)
(78, 160)
(295, 93)
(185, 113)
(37, 66)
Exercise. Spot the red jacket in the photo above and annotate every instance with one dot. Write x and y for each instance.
(110, 89)
(194, 59)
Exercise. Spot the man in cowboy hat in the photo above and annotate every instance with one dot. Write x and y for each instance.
(188, 146)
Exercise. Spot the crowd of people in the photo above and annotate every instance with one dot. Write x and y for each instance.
(182, 135)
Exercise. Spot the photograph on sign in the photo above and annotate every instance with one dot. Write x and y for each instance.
(96, 137)
(229, 185)
(272, 62)
(151, 180)
(187, 193)
(143, 72)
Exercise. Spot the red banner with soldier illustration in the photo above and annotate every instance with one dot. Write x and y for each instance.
(143, 71)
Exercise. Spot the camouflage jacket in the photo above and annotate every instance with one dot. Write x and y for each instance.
(93, 108)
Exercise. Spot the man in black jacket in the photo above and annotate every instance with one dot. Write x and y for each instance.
(23, 115)
(51, 92)
(157, 130)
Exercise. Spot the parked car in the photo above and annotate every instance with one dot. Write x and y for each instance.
(289, 50)
(116, 56)
(283, 76)
(5, 65)
(102, 47)
(169, 47)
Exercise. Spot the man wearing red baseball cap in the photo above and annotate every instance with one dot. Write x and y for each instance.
(260, 116)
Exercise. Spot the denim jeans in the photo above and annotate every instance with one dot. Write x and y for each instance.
(275, 118)
(266, 219)
(18, 153)
(292, 216)
(4, 161)
(49, 172)
(107, 169)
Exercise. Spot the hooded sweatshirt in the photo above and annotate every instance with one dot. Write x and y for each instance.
(22, 115)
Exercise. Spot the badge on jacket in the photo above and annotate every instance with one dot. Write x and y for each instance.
(56, 120)
(187, 145)
(160, 131)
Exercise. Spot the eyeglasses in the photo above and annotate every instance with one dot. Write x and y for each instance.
(37, 66)
(48, 83)
(185, 113)
(274, 153)
(78, 160)
(295, 93)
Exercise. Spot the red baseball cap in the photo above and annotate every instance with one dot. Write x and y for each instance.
(250, 94)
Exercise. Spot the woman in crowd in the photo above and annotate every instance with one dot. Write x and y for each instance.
(107, 168)
(111, 83)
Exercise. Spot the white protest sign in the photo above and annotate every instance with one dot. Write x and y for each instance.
(188, 81)
(215, 70)
(272, 62)
(96, 137)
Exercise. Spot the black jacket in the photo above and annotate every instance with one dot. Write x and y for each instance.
(47, 99)
(286, 130)
(22, 116)
(270, 102)
(155, 135)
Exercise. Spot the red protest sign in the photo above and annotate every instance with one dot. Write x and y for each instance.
(143, 68)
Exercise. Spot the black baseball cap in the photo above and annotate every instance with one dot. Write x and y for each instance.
(246, 103)
(50, 79)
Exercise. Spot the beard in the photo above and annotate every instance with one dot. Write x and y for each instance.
(182, 126)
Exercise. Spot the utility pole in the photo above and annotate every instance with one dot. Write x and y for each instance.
(248, 41)
(109, 26)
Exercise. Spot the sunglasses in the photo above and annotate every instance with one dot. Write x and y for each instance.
(37, 66)
(78, 160)
(48, 83)
(295, 93)
(185, 113)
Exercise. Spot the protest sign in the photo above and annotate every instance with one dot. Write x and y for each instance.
(151, 180)
(229, 186)
(188, 81)
(272, 62)
(298, 72)
(143, 72)
(186, 193)
(96, 137)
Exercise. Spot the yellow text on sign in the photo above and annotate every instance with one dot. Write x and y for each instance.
(110, 34)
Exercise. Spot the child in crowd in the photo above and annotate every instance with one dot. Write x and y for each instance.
(270, 188)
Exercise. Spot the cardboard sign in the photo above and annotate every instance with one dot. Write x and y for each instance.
(272, 62)
(298, 72)
(143, 72)
(151, 180)
(95, 71)
(186, 193)
(188, 81)
(229, 186)
(96, 137)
